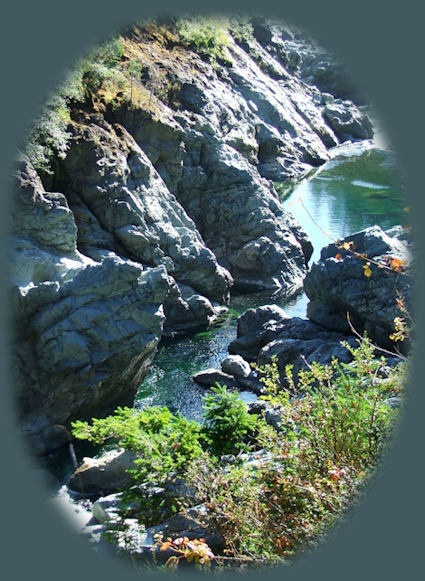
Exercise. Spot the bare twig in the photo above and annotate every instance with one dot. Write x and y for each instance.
(391, 353)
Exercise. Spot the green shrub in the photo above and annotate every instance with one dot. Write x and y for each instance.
(206, 36)
(164, 443)
(334, 432)
(226, 421)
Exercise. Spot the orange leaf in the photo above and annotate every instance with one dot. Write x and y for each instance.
(165, 546)
(396, 263)
(366, 270)
(338, 257)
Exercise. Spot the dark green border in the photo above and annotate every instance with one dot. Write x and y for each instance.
(380, 43)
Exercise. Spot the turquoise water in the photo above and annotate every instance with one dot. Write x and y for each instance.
(350, 193)
(354, 190)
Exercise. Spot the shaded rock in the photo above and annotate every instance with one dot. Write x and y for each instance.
(256, 328)
(347, 121)
(185, 310)
(271, 416)
(289, 351)
(267, 331)
(251, 383)
(253, 320)
(336, 285)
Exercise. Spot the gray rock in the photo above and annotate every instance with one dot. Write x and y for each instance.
(347, 121)
(106, 508)
(235, 365)
(253, 320)
(256, 328)
(337, 284)
(185, 310)
(109, 173)
(106, 473)
(71, 316)
(210, 377)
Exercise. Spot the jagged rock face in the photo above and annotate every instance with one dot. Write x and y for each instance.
(232, 131)
(303, 58)
(85, 331)
(337, 285)
(108, 173)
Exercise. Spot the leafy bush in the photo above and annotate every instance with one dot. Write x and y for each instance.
(164, 443)
(333, 436)
(207, 36)
(226, 421)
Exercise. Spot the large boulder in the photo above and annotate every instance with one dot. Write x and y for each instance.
(107, 473)
(364, 275)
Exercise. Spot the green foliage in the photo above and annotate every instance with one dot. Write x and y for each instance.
(108, 53)
(343, 411)
(206, 36)
(164, 443)
(333, 435)
(241, 29)
(331, 439)
(226, 421)
(48, 137)
(135, 68)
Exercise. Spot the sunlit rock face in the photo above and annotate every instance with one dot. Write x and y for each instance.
(159, 209)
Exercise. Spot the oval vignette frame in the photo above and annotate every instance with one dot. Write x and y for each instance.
(381, 524)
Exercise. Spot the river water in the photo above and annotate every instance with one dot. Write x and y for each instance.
(359, 187)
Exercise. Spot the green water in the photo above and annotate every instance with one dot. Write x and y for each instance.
(354, 190)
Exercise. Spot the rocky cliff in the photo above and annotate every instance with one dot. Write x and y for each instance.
(163, 203)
